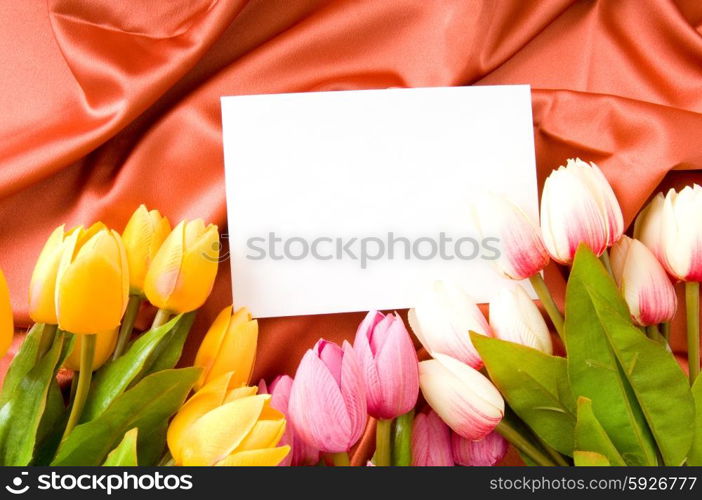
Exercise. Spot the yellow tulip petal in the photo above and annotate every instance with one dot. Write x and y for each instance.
(162, 277)
(42, 287)
(269, 457)
(143, 236)
(104, 346)
(218, 433)
(6, 323)
(240, 392)
(90, 296)
(265, 434)
(209, 397)
(237, 352)
(211, 344)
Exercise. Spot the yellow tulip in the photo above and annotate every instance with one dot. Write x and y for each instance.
(104, 345)
(42, 287)
(92, 283)
(143, 236)
(6, 325)
(182, 273)
(226, 425)
(229, 345)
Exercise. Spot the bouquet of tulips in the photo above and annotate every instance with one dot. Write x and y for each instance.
(86, 291)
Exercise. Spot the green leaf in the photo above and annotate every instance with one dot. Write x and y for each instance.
(695, 456)
(589, 434)
(117, 375)
(20, 416)
(51, 426)
(151, 447)
(24, 360)
(168, 352)
(590, 459)
(536, 387)
(147, 405)
(125, 455)
(402, 439)
(637, 389)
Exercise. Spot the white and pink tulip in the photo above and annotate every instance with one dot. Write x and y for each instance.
(442, 320)
(464, 398)
(515, 317)
(579, 206)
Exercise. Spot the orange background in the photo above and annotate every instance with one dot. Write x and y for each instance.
(106, 105)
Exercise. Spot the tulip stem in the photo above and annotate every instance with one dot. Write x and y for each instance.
(341, 459)
(542, 291)
(125, 331)
(402, 439)
(665, 327)
(48, 332)
(605, 260)
(161, 318)
(87, 353)
(653, 333)
(383, 430)
(522, 444)
(692, 306)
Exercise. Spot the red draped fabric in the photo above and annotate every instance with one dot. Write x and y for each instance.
(106, 105)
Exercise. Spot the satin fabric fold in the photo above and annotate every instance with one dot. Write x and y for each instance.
(107, 105)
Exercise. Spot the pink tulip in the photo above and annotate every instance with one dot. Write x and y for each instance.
(484, 452)
(302, 453)
(431, 441)
(442, 320)
(522, 251)
(464, 398)
(389, 363)
(644, 283)
(579, 206)
(328, 398)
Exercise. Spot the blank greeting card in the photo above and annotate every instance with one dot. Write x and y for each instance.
(358, 200)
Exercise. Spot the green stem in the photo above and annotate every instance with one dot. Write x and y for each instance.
(74, 388)
(692, 306)
(166, 460)
(557, 457)
(341, 459)
(521, 443)
(48, 332)
(161, 318)
(652, 332)
(125, 330)
(382, 443)
(549, 304)
(605, 260)
(87, 353)
(665, 327)
(402, 439)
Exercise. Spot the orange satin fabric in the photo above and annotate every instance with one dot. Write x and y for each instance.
(107, 104)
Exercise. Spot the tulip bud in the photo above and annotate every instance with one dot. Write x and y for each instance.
(464, 398)
(225, 425)
(143, 236)
(681, 224)
(42, 287)
(389, 363)
(515, 317)
(92, 282)
(431, 441)
(7, 329)
(522, 251)
(182, 273)
(484, 452)
(104, 346)
(228, 346)
(302, 453)
(442, 320)
(328, 398)
(579, 206)
(647, 228)
(644, 283)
